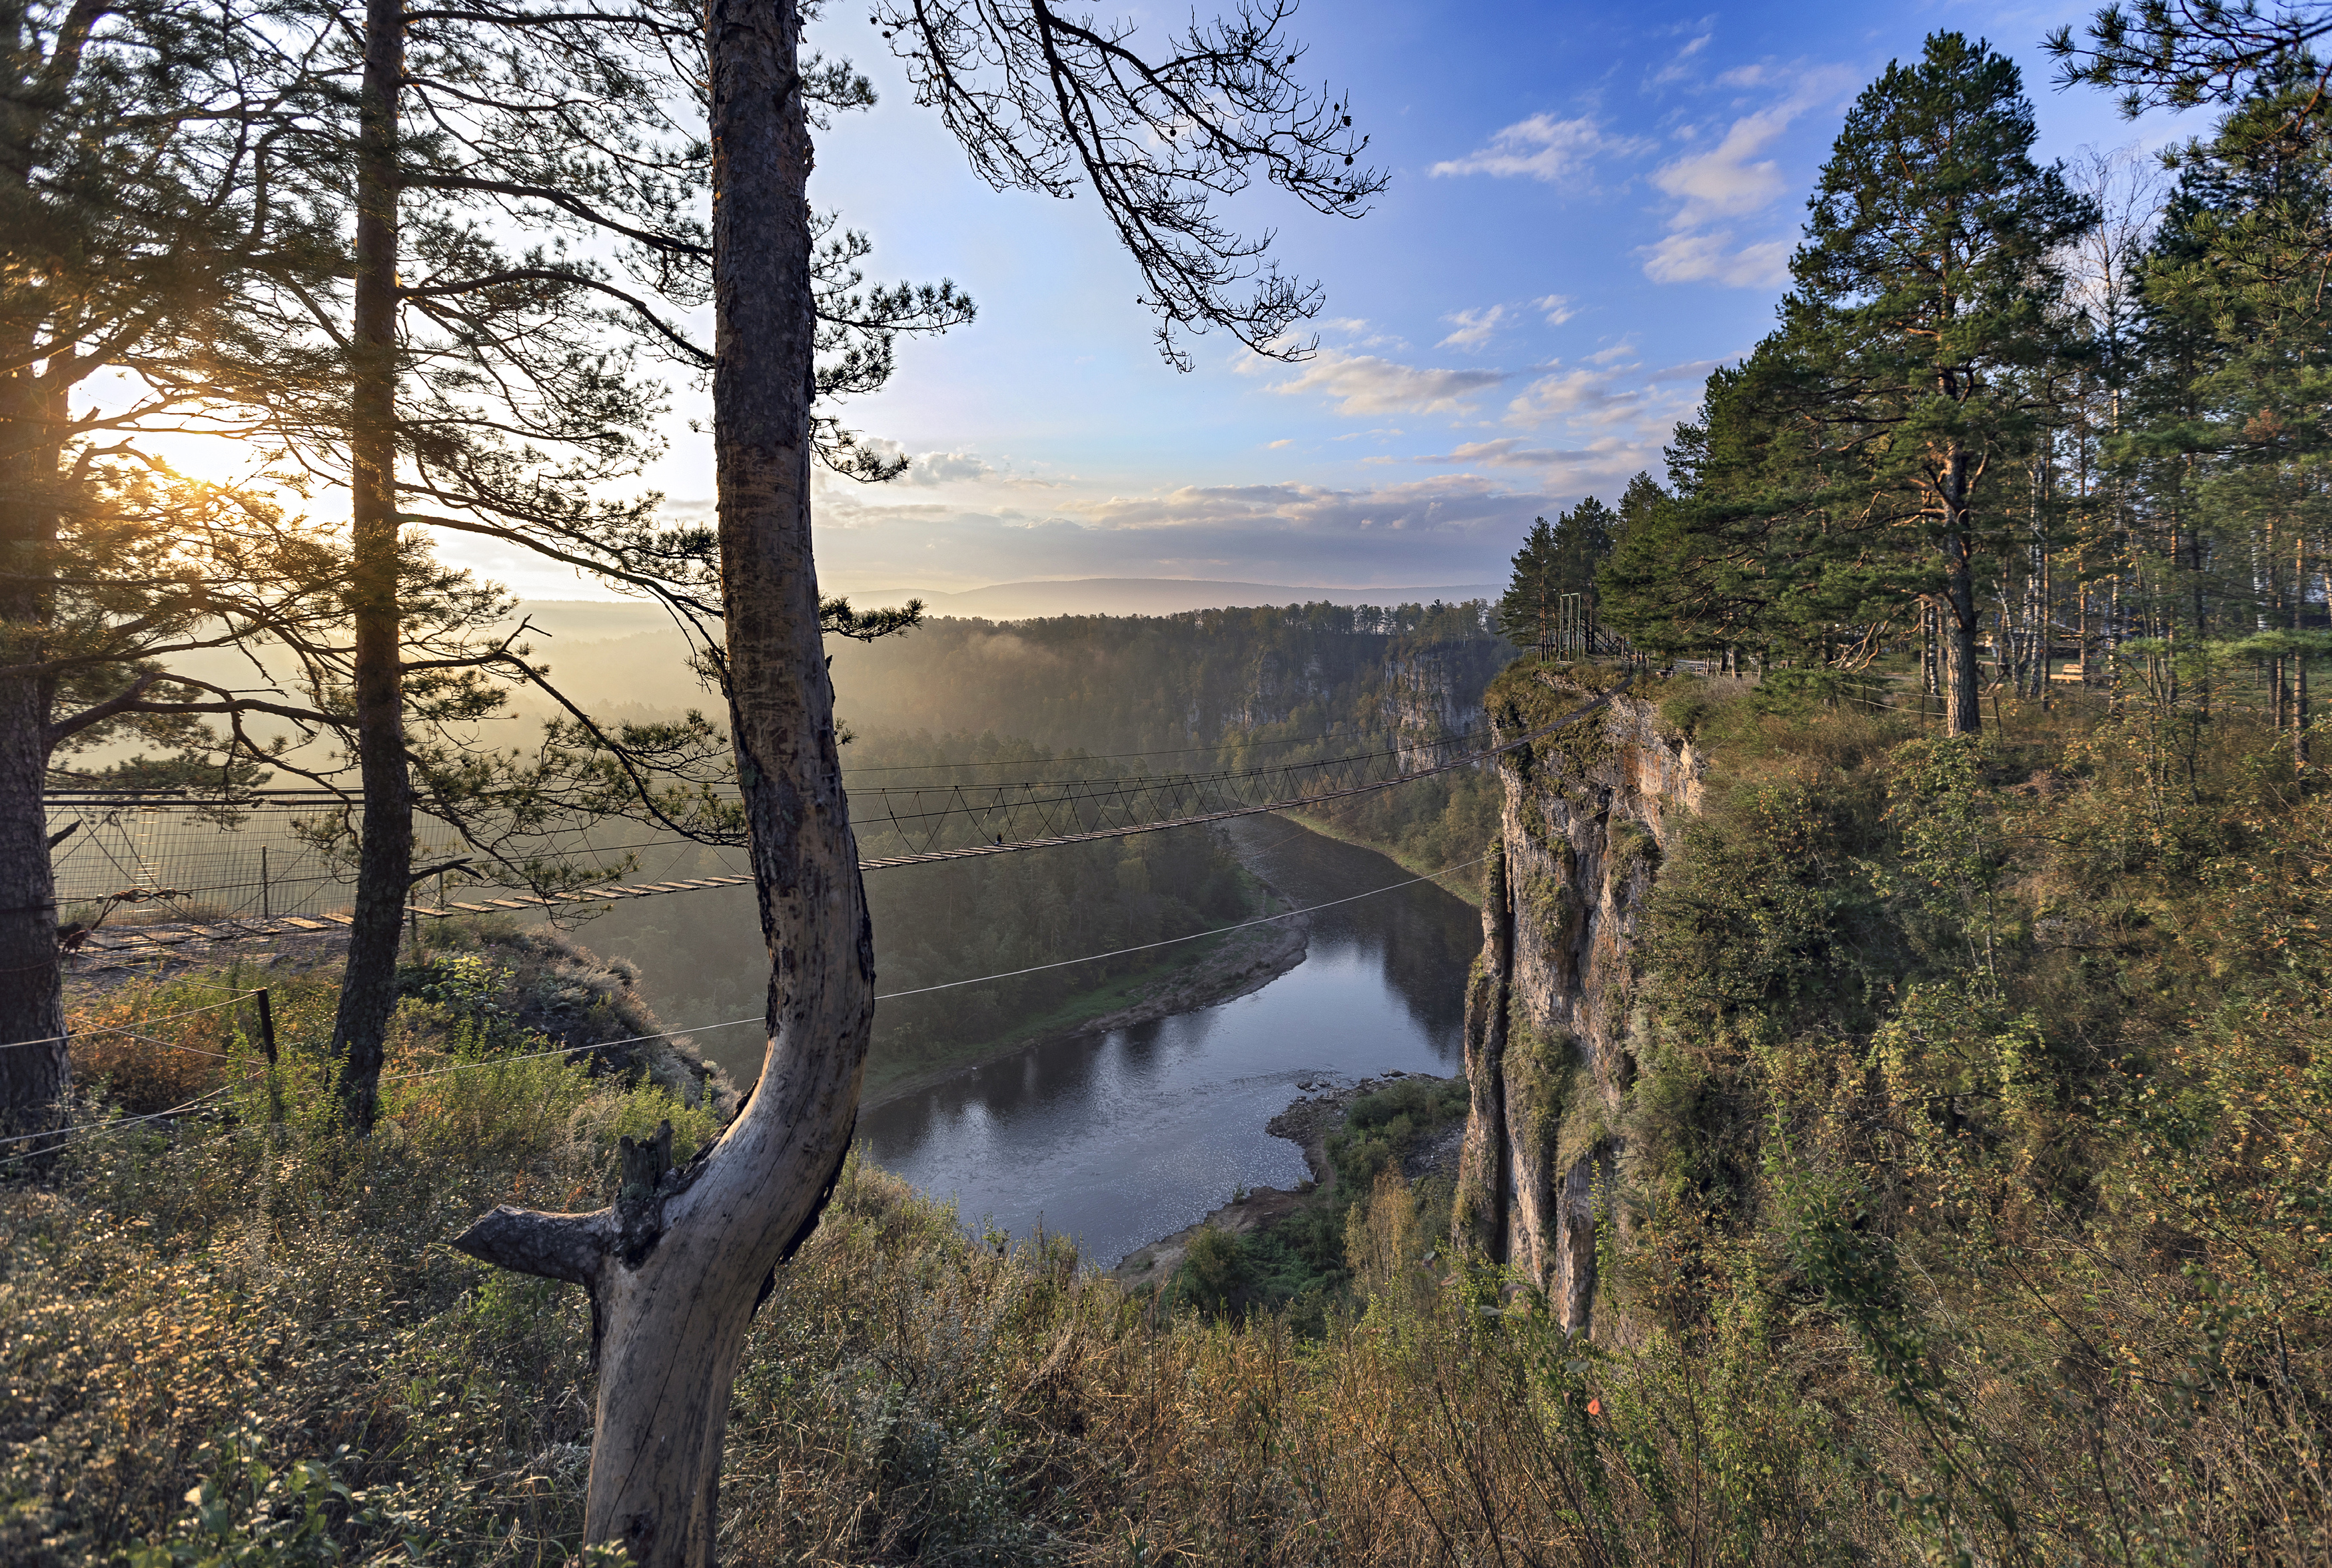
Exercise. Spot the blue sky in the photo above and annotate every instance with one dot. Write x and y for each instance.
(1589, 208)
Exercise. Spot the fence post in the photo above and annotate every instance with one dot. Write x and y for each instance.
(267, 1043)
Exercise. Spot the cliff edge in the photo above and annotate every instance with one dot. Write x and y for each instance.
(1590, 813)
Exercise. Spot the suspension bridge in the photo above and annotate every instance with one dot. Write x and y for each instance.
(140, 847)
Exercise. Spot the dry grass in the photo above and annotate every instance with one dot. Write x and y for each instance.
(1986, 1277)
(916, 1394)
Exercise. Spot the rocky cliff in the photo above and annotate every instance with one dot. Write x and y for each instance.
(1590, 813)
(1432, 691)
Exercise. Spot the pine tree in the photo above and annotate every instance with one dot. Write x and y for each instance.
(1583, 541)
(1750, 551)
(1928, 306)
(1527, 613)
(496, 391)
(147, 207)
(2236, 275)
(1856, 466)
(1555, 564)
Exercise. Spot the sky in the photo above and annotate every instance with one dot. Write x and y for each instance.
(1589, 208)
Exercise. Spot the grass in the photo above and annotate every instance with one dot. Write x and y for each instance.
(1975, 1211)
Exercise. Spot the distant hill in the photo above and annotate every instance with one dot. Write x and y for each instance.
(596, 620)
(613, 653)
(1154, 596)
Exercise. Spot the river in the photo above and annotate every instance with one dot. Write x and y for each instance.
(1122, 1139)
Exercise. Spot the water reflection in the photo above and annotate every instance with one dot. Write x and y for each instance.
(1129, 1136)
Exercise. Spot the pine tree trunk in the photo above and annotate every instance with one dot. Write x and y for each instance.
(2300, 757)
(1963, 705)
(2299, 659)
(35, 1065)
(677, 1266)
(385, 856)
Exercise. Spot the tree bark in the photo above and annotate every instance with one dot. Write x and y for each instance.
(677, 1266)
(35, 1064)
(2299, 758)
(384, 849)
(1963, 705)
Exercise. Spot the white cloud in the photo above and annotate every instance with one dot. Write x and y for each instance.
(1544, 148)
(1713, 257)
(1644, 405)
(1593, 395)
(1276, 446)
(1694, 371)
(1558, 308)
(1438, 528)
(1357, 333)
(1507, 452)
(1473, 327)
(1605, 463)
(1719, 186)
(1724, 182)
(943, 468)
(1677, 67)
(1362, 383)
(935, 470)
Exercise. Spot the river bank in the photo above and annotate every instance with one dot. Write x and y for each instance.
(1464, 882)
(1235, 964)
(1309, 1123)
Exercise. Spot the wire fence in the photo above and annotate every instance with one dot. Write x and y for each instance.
(246, 862)
(180, 860)
(57, 1140)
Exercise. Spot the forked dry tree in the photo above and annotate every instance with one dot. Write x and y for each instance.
(678, 1263)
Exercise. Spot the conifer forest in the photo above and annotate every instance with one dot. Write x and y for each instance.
(1680, 918)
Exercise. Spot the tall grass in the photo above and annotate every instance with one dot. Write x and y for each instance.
(1975, 1211)
(914, 1392)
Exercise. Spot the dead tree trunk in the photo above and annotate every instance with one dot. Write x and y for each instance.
(677, 1265)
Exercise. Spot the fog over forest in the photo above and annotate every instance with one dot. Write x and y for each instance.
(979, 703)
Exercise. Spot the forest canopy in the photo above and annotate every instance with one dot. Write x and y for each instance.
(2048, 417)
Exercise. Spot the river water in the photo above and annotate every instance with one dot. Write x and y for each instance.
(1123, 1138)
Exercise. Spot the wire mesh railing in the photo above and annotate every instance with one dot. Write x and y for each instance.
(221, 874)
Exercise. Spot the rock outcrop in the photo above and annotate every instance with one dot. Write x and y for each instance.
(1430, 693)
(1590, 812)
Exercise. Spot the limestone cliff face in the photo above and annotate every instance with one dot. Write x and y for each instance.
(1590, 812)
(1430, 693)
(1420, 693)
(1281, 682)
